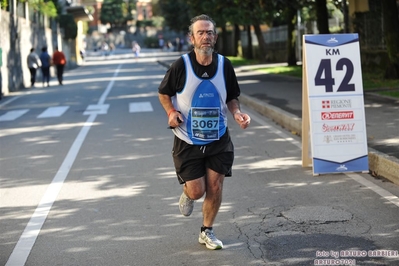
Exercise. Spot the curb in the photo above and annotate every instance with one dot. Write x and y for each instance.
(380, 164)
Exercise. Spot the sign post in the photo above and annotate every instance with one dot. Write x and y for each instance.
(333, 106)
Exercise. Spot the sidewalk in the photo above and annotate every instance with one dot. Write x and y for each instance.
(280, 98)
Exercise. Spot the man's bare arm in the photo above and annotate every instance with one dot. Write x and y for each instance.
(174, 117)
(242, 119)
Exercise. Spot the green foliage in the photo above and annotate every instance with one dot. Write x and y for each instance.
(258, 12)
(151, 42)
(4, 4)
(240, 61)
(176, 14)
(47, 8)
(68, 24)
(111, 12)
(116, 12)
(144, 23)
(158, 21)
(90, 9)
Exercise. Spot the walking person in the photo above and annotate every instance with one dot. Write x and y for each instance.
(45, 58)
(34, 63)
(197, 92)
(59, 61)
(136, 49)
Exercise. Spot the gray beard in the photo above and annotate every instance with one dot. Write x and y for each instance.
(205, 51)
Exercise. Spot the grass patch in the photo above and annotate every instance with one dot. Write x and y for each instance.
(372, 79)
(394, 94)
(239, 61)
(375, 80)
(293, 71)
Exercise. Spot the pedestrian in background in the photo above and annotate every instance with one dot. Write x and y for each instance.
(197, 92)
(59, 61)
(45, 58)
(34, 63)
(136, 49)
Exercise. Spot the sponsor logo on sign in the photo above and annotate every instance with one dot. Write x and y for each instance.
(332, 40)
(345, 103)
(327, 139)
(342, 167)
(338, 128)
(325, 104)
(347, 138)
(337, 115)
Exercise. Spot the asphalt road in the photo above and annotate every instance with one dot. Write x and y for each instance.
(87, 179)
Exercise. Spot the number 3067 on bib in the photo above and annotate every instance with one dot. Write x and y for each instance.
(333, 106)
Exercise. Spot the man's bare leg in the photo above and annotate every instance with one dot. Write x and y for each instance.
(213, 197)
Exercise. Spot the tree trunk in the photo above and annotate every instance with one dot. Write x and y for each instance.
(250, 54)
(322, 16)
(237, 39)
(290, 16)
(14, 64)
(261, 42)
(391, 35)
(346, 16)
(224, 41)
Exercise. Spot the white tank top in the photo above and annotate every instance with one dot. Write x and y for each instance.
(202, 102)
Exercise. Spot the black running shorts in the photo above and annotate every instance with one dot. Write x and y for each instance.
(191, 161)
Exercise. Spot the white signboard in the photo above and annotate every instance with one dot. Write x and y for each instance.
(334, 89)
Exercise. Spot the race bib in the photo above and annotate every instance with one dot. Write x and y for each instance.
(205, 123)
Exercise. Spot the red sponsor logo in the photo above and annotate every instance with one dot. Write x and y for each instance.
(337, 115)
(325, 104)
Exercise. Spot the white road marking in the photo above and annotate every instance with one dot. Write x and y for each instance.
(99, 109)
(388, 196)
(12, 115)
(354, 176)
(28, 238)
(55, 111)
(139, 107)
(8, 101)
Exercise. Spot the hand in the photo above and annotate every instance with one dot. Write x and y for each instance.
(175, 119)
(243, 120)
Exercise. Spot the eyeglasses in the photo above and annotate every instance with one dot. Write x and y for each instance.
(209, 33)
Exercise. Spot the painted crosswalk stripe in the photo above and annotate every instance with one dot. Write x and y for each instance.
(140, 107)
(12, 115)
(98, 109)
(53, 111)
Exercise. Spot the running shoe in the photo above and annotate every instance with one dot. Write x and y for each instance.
(186, 205)
(209, 239)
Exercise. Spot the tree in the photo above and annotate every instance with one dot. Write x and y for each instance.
(45, 7)
(68, 24)
(322, 17)
(116, 13)
(255, 13)
(176, 14)
(391, 34)
(291, 17)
